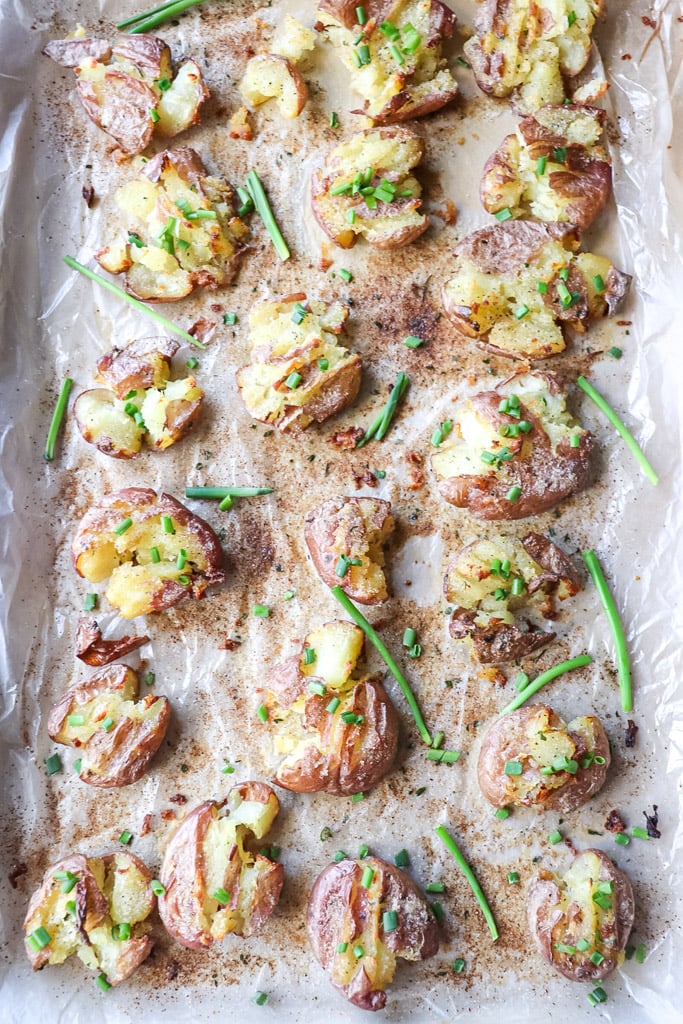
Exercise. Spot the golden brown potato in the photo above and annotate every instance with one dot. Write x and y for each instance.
(394, 60)
(367, 189)
(153, 550)
(300, 373)
(357, 931)
(271, 76)
(532, 758)
(553, 168)
(526, 49)
(519, 286)
(96, 907)
(345, 538)
(130, 90)
(514, 452)
(581, 921)
(336, 733)
(491, 581)
(214, 883)
(182, 233)
(115, 734)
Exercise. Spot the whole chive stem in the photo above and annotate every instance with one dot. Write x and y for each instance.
(166, 13)
(621, 650)
(620, 428)
(57, 417)
(360, 620)
(110, 286)
(467, 871)
(381, 424)
(219, 493)
(147, 14)
(264, 211)
(546, 677)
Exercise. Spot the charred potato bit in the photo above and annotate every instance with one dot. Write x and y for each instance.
(556, 766)
(299, 373)
(490, 581)
(518, 286)
(115, 734)
(270, 76)
(153, 550)
(367, 189)
(395, 58)
(553, 168)
(130, 90)
(525, 49)
(82, 906)
(581, 922)
(514, 452)
(338, 734)
(344, 537)
(182, 229)
(156, 410)
(214, 884)
(362, 916)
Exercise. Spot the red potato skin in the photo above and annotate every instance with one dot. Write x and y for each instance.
(146, 52)
(320, 527)
(340, 391)
(131, 368)
(70, 52)
(95, 651)
(123, 110)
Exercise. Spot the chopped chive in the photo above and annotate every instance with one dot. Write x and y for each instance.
(435, 755)
(345, 275)
(559, 154)
(583, 945)
(333, 705)
(458, 965)
(441, 433)
(452, 848)
(154, 114)
(342, 947)
(437, 910)
(263, 209)
(402, 859)
(503, 812)
(315, 686)
(396, 54)
(435, 887)
(75, 720)
(571, 18)
(340, 855)
(228, 769)
(513, 768)
(620, 427)
(108, 723)
(513, 878)
(293, 380)
(40, 938)
(357, 797)
(598, 995)
(640, 953)
(358, 952)
(262, 713)
(57, 417)
(555, 837)
(463, 63)
(615, 352)
(415, 651)
(409, 637)
(53, 764)
(288, 595)
(157, 888)
(101, 982)
(167, 524)
(260, 998)
(564, 274)
(575, 440)
(597, 958)
(521, 312)
(514, 494)
(226, 492)
(364, 54)
(380, 425)
(90, 602)
(388, 29)
(437, 740)
(154, 556)
(230, 319)
(561, 947)
(564, 294)
(541, 287)
(126, 837)
(598, 283)
(639, 833)
(412, 341)
(350, 216)
(309, 655)
(504, 215)
(164, 84)
(221, 896)
(450, 756)
(183, 580)
(77, 765)
(546, 677)
(342, 566)
(202, 215)
(367, 877)
(334, 120)
(517, 586)
(261, 611)
(181, 559)
(363, 851)
(121, 932)
(610, 608)
(389, 920)
(541, 165)
(411, 40)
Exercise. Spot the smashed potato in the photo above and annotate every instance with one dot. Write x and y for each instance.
(367, 189)
(363, 915)
(270, 76)
(115, 734)
(153, 550)
(182, 233)
(336, 733)
(394, 58)
(514, 452)
(214, 884)
(95, 907)
(345, 538)
(293, 40)
(518, 286)
(300, 373)
(130, 90)
(491, 581)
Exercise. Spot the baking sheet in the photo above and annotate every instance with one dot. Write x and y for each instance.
(56, 324)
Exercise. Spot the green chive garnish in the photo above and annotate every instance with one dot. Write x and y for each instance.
(342, 947)
(260, 998)
(263, 209)
(513, 768)
(503, 812)
(389, 920)
(315, 686)
(90, 602)
(154, 556)
(513, 878)
(546, 677)
(334, 120)
(345, 275)
(452, 848)
(637, 832)
(381, 424)
(367, 877)
(101, 982)
(615, 352)
(402, 859)
(357, 797)
(57, 417)
(167, 524)
(262, 713)
(125, 837)
(514, 494)
(504, 215)
(555, 837)
(621, 429)
(541, 165)
(333, 705)
(412, 341)
(221, 896)
(53, 764)
(458, 965)
(610, 608)
(261, 611)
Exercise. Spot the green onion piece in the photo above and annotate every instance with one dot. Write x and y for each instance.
(639, 833)
(181, 559)
(541, 165)
(597, 958)
(367, 877)
(261, 611)
(610, 608)
(504, 215)
(380, 425)
(53, 764)
(202, 215)
(154, 556)
(441, 433)
(389, 920)
(342, 947)
(334, 120)
(363, 851)
(183, 580)
(164, 84)
(409, 637)
(123, 526)
(57, 417)
(640, 953)
(522, 681)
(226, 492)
(561, 947)
(402, 859)
(513, 878)
(228, 769)
(230, 319)
(411, 39)
(358, 952)
(340, 855)
(437, 740)
(288, 595)
(221, 896)
(583, 945)
(541, 287)
(293, 380)
(621, 429)
(575, 441)
(364, 54)
(615, 352)
(437, 910)
(121, 932)
(40, 938)
(75, 720)
(342, 567)
(266, 214)
(108, 723)
(564, 294)
(136, 241)
(167, 524)
(415, 651)
(458, 966)
(357, 797)
(599, 995)
(521, 312)
(555, 837)
(101, 980)
(435, 755)
(435, 887)
(571, 18)
(309, 655)
(150, 19)
(262, 713)
(126, 837)
(559, 154)
(361, 16)
(260, 998)
(396, 54)
(90, 602)
(514, 494)
(345, 275)
(350, 216)
(463, 64)
(450, 756)
(546, 677)
(452, 848)
(154, 115)
(315, 686)
(333, 705)
(513, 768)
(412, 341)
(503, 812)
(157, 888)
(564, 274)
(77, 765)
(598, 283)
(517, 587)
(388, 29)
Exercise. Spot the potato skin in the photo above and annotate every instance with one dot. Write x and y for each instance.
(94, 650)
(341, 910)
(350, 526)
(143, 363)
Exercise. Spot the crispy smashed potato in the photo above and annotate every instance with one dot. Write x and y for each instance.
(394, 59)
(214, 883)
(337, 733)
(581, 921)
(553, 168)
(300, 373)
(96, 907)
(182, 229)
(491, 581)
(367, 189)
(349, 931)
(514, 452)
(153, 550)
(345, 538)
(115, 734)
(562, 766)
(130, 90)
(519, 286)
(527, 48)
(270, 76)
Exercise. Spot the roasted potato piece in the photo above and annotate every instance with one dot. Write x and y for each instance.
(130, 91)
(532, 758)
(526, 49)
(490, 581)
(345, 538)
(115, 734)
(300, 373)
(94, 650)
(182, 229)
(347, 927)
(214, 884)
(553, 168)
(514, 452)
(367, 189)
(153, 550)
(270, 76)
(340, 749)
(293, 40)
(393, 88)
(87, 906)
(581, 921)
(518, 286)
